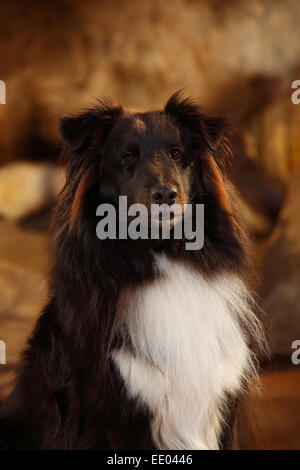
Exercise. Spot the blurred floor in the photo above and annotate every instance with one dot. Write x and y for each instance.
(274, 416)
(23, 267)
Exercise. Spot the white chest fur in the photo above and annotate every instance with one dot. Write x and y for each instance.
(189, 351)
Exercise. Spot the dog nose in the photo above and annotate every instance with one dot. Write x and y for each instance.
(164, 195)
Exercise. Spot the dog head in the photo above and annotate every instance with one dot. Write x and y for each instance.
(159, 157)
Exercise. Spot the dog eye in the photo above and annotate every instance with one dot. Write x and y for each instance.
(175, 154)
(128, 159)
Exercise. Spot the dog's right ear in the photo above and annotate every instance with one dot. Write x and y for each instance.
(78, 131)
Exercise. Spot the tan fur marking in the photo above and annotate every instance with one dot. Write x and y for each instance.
(76, 206)
(140, 125)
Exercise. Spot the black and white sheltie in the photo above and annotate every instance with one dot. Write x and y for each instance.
(142, 344)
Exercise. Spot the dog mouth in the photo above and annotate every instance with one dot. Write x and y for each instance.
(170, 216)
(163, 216)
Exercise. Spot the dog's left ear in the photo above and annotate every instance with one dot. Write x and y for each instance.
(206, 131)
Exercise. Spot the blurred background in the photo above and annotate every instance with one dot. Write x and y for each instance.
(239, 59)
